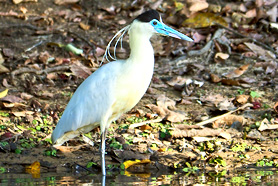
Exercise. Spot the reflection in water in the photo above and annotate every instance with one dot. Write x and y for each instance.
(239, 178)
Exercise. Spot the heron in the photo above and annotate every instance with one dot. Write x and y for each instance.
(116, 87)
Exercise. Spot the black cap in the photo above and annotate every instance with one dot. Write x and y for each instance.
(148, 16)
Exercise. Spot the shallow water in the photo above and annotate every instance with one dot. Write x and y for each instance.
(243, 177)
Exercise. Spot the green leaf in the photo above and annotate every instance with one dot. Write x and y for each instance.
(254, 94)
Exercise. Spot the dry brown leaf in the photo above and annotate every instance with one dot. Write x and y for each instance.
(80, 70)
(242, 99)
(3, 69)
(230, 82)
(266, 125)
(145, 127)
(198, 5)
(12, 99)
(251, 13)
(237, 72)
(276, 107)
(68, 149)
(221, 57)
(229, 120)
(22, 113)
(194, 133)
(167, 114)
(26, 96)
(84, 26)
(20, 1)
(11, 105)
(178, 80)
(215, 78)
(63, 2)
(175, 117)
(264, 54)
(165, 102)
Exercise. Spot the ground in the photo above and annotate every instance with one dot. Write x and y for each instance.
(211, 104)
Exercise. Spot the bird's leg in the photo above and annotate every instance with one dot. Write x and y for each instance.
(102, 150)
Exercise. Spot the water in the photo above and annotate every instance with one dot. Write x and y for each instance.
(243, 177)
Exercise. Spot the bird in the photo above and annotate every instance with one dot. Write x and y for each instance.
(116, 87)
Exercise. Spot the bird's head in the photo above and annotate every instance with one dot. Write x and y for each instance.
(151, 22)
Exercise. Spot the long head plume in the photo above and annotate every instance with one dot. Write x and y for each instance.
(120, 34)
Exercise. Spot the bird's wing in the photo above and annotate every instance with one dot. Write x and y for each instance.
(89, 104)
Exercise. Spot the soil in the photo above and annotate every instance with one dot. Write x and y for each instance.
(41, 76)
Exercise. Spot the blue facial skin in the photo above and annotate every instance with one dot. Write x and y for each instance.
(168, 31)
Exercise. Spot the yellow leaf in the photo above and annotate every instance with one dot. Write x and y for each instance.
(34, 169)
(130, 163)
(200, 20)
(4, 93)
(140, 175)
(179, 6)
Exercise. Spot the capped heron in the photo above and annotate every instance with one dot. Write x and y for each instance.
(115, 87)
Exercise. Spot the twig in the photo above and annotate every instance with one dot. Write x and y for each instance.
(84, 39)
(144, 123)
(223, 115)
(31, 70)
(252, 39)
(208, 46)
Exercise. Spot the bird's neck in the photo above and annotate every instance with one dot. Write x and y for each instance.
(141, 48)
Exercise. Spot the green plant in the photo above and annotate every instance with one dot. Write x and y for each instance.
(218, 161)
(254, 94)
(190, 168)
(91, 164)
(265, 163)
(2, 170)
(50, 152)
(240, 91)
(115, 144)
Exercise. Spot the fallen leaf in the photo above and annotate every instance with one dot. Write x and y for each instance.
(261, 52)
(84, 26)
(63, 2)
(215, 78)
(230, 82)
(165, 102)
(22, 113)
(130, 163)
(200, 20)
(220, 57)
(4, 93)
(242, 99)
(34, 169)
(229, 120)
(197, 6)
(237, 72)
(266, 125)
(79, 70)
(12, 99)
(26, 96)
(145, 127)
(276, 107)
(3, 69)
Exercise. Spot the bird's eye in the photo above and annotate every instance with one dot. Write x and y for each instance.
(154, 23)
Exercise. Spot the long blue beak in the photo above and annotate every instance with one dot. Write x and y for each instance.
(163, 29)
